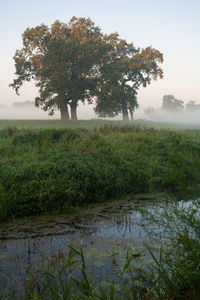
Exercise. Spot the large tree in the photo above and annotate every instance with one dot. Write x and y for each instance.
(124, 71)
(63, 61)
(75, 62)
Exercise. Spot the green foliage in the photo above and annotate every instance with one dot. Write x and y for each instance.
(176, 273)
(59, 280)
(63, 60)
(51, 170)
(8, 131)
(125, 70)
(3, 204)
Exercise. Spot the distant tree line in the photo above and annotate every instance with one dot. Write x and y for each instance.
(192, 106)
(171, 104)
(75, 62)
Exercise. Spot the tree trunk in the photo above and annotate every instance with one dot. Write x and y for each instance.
(73, 107)
(64, 112)
(131, 113)
(124, 111)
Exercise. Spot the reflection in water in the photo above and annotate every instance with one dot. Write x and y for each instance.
(123, 226)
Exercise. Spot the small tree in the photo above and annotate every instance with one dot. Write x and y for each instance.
(171, 104)
(63, 61)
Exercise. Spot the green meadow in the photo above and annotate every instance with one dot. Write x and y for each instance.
(51, 166)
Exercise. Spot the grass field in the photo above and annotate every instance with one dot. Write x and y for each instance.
(51, 170)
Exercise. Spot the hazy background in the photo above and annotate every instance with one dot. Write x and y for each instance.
(171, 26)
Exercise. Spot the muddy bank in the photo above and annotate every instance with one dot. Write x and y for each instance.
(62, 224)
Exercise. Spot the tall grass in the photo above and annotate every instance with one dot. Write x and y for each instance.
(176, 273)
(52, 170)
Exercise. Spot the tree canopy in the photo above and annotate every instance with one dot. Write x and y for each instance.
(126, 69)
(75, 61)
(63, 61)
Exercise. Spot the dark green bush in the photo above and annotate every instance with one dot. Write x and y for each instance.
(8, 131)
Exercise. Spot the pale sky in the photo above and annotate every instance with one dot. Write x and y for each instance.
(171, 26)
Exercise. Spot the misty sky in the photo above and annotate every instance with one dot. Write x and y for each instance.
(171, 26)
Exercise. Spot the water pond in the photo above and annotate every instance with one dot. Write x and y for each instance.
(102, 231)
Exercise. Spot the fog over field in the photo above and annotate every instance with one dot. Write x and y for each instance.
(186, 117)
(19, 111)
(26, 110)
(31, 112)
(11, 112)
